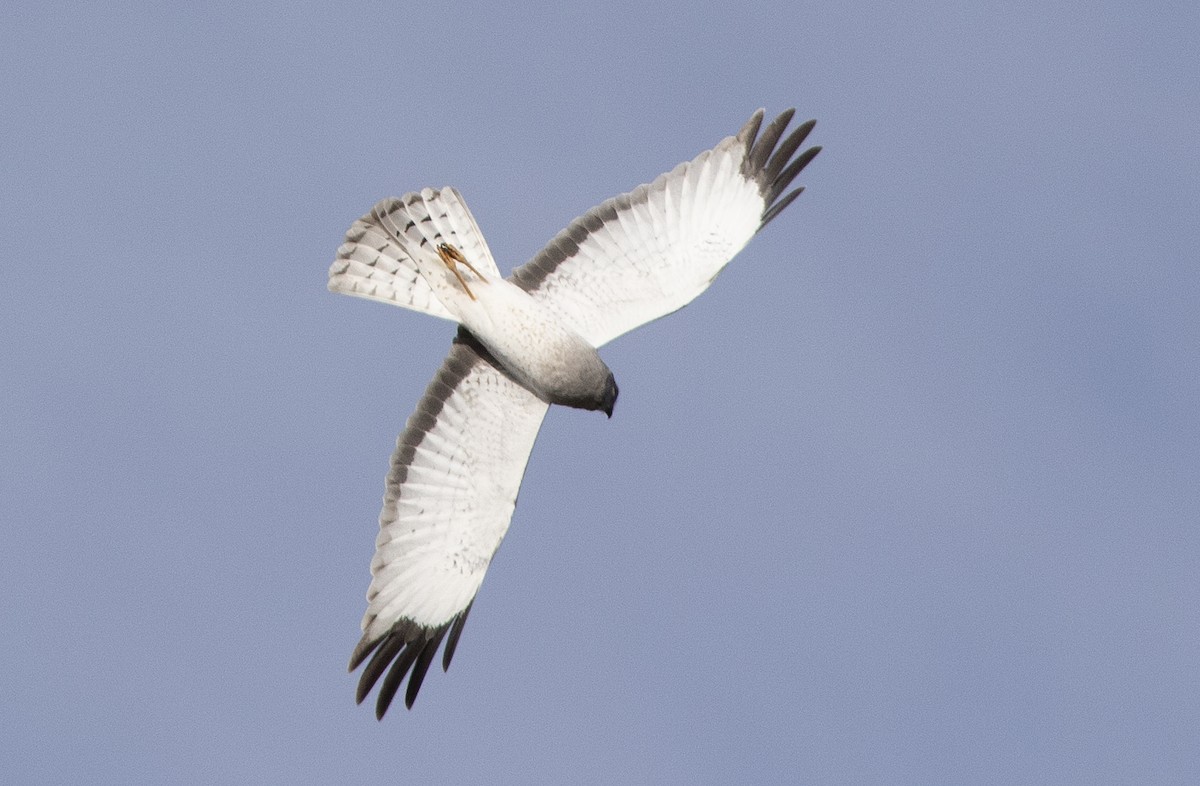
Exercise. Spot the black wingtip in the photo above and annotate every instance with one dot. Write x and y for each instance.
(785, 178)
(405, 651)
(395, 676)
(456, 630)
(385, 649)
(750, 129)
(420, 667)
(758, 156)
(770, 163)
(364, 648)
(786, 150)
(778, 207)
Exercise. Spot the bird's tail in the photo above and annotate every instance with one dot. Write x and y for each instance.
(376, 261)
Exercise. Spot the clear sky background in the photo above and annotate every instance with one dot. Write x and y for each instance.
(911, 495)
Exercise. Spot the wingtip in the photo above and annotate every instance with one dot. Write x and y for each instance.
(750, 130)
(361, 650)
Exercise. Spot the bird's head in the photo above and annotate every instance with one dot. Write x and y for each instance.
(609, 399)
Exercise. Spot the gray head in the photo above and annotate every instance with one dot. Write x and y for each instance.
(591, 386)
(609, 399)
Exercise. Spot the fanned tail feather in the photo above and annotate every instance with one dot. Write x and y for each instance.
(376, 259)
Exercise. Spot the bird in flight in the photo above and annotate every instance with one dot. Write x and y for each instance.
(523, 343)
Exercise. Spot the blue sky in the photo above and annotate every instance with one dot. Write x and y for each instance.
(909, 496)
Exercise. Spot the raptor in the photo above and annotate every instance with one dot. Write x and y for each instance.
(525, 342)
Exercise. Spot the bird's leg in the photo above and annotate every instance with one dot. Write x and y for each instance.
(451, 256)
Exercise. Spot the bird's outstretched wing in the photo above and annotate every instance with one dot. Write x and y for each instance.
(644, 254)
(448, 501)
(375, 261)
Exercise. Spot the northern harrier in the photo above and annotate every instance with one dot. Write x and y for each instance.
(524, 342)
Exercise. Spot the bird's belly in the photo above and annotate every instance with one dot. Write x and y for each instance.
(532, 345)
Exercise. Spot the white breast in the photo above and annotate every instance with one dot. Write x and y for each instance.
(525, 336)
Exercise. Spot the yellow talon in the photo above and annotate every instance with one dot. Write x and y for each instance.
(451, 256)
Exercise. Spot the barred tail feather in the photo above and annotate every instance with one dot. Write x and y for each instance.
(376, 259)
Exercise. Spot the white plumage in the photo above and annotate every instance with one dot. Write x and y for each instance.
(523, 343)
